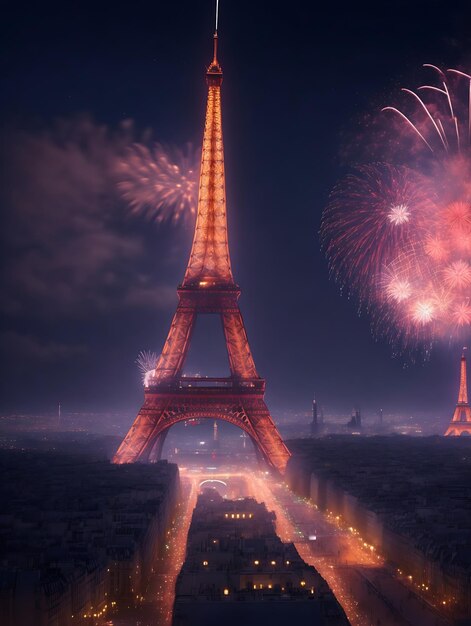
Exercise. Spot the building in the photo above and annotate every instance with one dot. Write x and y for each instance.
(237, 570)
(78, 536)
(408, 497)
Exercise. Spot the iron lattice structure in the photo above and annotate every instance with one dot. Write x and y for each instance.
(208, 287)
(461, 421)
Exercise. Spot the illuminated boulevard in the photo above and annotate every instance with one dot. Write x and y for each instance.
(157, 606)
(369, 592)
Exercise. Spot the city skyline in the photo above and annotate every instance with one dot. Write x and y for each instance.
(288, 303)
(54, 333)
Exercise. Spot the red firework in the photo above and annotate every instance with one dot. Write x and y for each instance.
(400, 236)
(372, 215)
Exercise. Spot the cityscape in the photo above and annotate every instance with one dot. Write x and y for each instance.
(235, 303)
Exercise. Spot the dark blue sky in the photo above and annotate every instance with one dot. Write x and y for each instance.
(84, 287)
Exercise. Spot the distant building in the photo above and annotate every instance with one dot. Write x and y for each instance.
(314, 422)
(355, 420)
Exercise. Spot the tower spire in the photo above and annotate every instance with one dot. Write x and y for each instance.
(463, 392)
(210, 264)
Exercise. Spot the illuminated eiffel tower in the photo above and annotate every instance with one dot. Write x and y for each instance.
(461, 420)
(208, 287)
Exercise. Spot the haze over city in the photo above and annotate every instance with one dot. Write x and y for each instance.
(235, 307)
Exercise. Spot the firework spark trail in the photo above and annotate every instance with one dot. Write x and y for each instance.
(146, 362)
(397, 234)
(160, 183)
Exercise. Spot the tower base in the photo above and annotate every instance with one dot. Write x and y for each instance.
(239, 403)
(455, 429)
(461, 421)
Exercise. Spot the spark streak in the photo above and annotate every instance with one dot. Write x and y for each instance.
(411, 124)
(146, 362)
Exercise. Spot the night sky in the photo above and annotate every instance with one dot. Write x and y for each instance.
(85, 286)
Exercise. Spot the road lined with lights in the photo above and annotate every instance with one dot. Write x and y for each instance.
(157, 606)
(170, 564)
(365, 587)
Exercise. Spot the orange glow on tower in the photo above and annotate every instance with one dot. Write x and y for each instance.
(461, 421)
(208, 287)
(209, 263)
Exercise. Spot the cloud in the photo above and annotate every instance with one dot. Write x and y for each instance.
(28, 348)
(68, 247)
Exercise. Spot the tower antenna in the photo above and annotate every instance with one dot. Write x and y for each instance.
(215, 39)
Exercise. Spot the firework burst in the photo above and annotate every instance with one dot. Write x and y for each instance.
(457, 275)
(398, 233)
(423, 311)
(146, 362)
(399, 214)
(160, 183)
(461, 313)
(371, 214)
(398, 289)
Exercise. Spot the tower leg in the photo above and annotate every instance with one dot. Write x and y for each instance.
(266, 435)
(170, 362)
(139, 441)
(240, 358)
(156, 452)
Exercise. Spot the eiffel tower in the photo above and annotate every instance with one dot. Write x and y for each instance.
(461, 421)
(208, 287)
